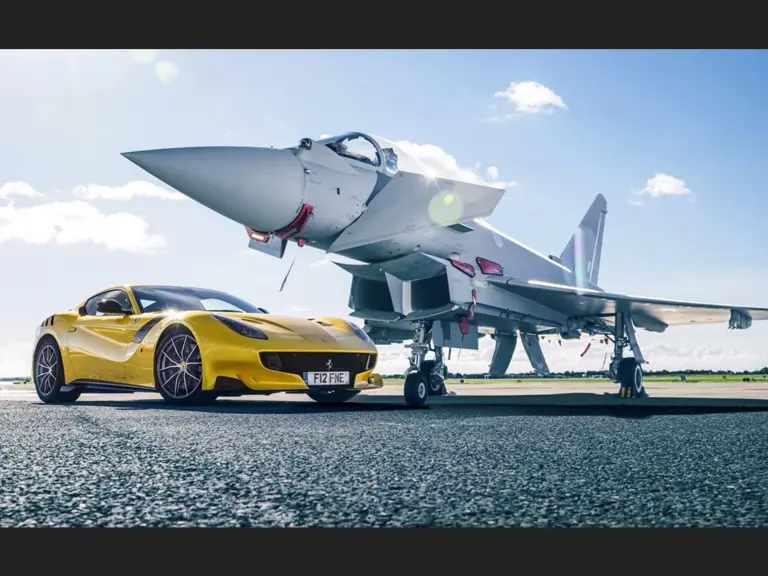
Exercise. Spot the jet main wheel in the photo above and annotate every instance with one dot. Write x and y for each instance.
(332, 396)
(630, 376)
(415, 389)
(49, 374)
(436, 384)
(179, 369)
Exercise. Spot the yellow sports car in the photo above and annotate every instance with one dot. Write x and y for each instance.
(192, 345)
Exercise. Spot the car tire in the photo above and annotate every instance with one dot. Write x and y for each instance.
(332, 396)
(178, 369)
(48, 373)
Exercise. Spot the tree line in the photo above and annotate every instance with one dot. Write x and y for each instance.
(594, 374)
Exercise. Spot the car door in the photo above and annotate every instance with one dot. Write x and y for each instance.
(98, 342)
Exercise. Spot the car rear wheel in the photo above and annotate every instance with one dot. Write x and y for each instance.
(179, 369)
(48, 374)
(332, 396)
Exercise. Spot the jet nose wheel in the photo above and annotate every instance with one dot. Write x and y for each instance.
(435, 381)
(630, 376)
(415, 389)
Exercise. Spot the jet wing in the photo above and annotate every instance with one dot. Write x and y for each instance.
(654, 314)
(413, 202)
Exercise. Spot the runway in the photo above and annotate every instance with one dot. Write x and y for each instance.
(480, 458)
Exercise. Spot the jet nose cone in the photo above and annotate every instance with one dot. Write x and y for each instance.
(258, 187)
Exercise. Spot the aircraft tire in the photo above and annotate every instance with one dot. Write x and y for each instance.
(436, 385)
(332, 396)
(630, 374)
(48, 384)
(172, 345)
(415, 389)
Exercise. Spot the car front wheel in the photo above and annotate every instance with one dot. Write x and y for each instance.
(179, 369)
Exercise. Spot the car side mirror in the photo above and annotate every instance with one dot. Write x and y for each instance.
(110, 306)
(82, 311)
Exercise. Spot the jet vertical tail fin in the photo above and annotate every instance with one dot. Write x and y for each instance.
(582, 253)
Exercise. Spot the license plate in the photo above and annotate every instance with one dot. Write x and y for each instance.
(326, 378)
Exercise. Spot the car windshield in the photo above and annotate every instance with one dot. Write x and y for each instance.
(166, 298)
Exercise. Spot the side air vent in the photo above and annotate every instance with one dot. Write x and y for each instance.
(460, 228)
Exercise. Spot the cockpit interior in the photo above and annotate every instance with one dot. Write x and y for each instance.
(363, 148)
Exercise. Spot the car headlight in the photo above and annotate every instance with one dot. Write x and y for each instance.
(242, 328)
(362, 334)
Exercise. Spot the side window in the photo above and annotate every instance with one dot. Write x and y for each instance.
(119, 295)
(122, 298)
(90, 304)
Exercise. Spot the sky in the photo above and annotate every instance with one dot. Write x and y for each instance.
(675, 140)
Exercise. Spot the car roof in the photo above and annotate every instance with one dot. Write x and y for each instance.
(129, 288)
(172, 287)
(155, 286)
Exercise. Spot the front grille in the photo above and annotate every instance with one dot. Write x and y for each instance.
(300, 362)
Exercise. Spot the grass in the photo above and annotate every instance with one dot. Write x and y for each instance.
(706, 377)
(690, 378)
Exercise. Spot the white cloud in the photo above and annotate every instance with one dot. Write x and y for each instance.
(531, 98)
(143, 56)
(635, 202)
(76, 222)
(322, 262)
(324, 136)
(300, 309)
(167, 71)
(130, 190)
(16, 359)
(664, 185)
(434, 161)
(18, 189)
(565, 357)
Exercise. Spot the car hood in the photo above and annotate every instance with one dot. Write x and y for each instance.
(309, 329)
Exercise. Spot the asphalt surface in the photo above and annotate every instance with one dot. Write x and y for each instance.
(132, 461)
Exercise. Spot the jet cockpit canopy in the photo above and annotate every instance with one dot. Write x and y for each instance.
(365, 149)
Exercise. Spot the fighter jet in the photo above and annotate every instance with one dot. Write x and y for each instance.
(430, 269)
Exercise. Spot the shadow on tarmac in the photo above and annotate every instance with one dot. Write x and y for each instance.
(462, 406)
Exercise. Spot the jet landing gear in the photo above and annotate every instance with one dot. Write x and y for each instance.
(424, 377)
(627, 372)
